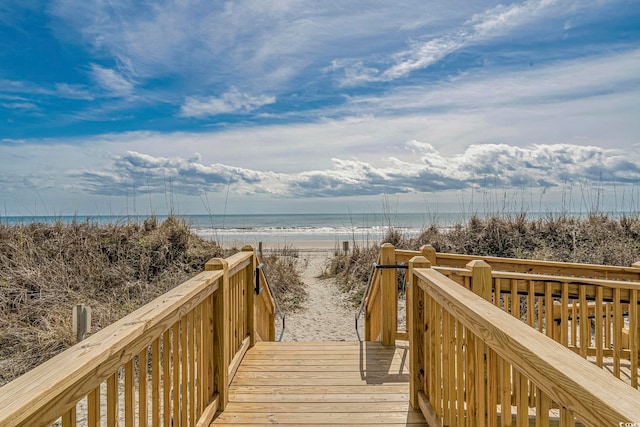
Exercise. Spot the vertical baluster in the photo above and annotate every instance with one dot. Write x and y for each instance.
(470, 384)
(607, 325)
(633, 336)
(543, 405)
(429, 363)
(460, 374)
(129, 394)
(184, 370)
(515, 300)
(564, 315)
(452, 370)
(493, 388)
(155, 382)
(437, 319)
(540, 314)
(531, 322)
(481, 383)
(143, 361)
(199, 360)
(574, 324)
(446, 364)
(531, 302)
(166, 377)
(585, 333)
(93, 408)
(617, 331)
(599, 325)
(566, 418)
(112, 400)
(548, 309)
(192, 369)
(522, 399)
(175, 344)
(505, 401)
(69, 418)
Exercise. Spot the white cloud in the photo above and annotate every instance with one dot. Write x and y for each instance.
(480, 166)
(229, 102)
(113, 82)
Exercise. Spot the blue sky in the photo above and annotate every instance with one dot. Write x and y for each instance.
(121, 107)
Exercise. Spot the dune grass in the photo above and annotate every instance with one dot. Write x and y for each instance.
(283, 269)
(46, 269)
(595, 239)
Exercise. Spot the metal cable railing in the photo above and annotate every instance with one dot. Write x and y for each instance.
(375, 267)
(258, 290)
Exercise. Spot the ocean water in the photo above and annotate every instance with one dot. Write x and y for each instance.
(284, 227)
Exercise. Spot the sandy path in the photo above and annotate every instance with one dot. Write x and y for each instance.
(325, 316)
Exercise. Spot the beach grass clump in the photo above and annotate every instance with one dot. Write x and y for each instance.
(594, 239)
(46, 269)
(283, 267)
(352, 269)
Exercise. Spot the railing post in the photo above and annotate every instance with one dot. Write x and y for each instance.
(481, 282)
(415, 325)
(481, 279)
(429, 253)
(249, 294)
(221, 340)
(389, 294)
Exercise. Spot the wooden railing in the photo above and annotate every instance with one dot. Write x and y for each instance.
(595, 317)
(598, 319)
(168, 363)
(471, 361)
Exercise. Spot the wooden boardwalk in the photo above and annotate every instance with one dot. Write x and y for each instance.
(321, 383)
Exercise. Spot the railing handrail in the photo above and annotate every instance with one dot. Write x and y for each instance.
(591, 394)
(365, 296)
(623, 284)
(73, 373)
(277, 311)
(606, 272)
(53, 389)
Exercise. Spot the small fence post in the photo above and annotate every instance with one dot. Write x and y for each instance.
(81, 321)
(260, 248)
(416, 327)
(389, 294)
(221, 338)
(345, 246)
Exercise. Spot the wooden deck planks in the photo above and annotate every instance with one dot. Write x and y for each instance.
(323, 383)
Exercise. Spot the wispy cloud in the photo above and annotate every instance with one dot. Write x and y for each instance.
(111, 81)
(489, 24)
(21, 106)
(229, 102)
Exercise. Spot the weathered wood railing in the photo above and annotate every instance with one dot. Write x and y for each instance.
(471, 361)
(168, 363)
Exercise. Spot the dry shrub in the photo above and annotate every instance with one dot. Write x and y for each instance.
(596, 239)
(353, 269)
(46, 269)
(282, 268)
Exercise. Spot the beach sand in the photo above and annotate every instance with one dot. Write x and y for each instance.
(326, 315)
